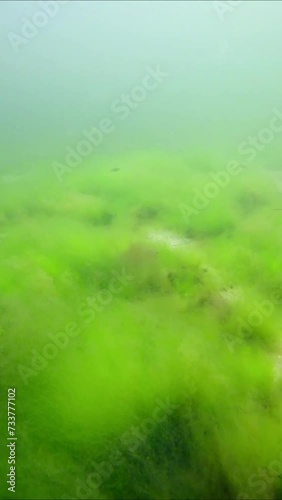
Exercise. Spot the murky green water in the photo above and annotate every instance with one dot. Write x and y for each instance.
(140, 243)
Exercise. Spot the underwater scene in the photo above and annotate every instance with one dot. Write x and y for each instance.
(141, 250)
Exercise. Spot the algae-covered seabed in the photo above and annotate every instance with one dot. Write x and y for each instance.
(143, 342)
(141, 291)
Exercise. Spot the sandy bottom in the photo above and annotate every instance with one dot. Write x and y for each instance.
(171, 240)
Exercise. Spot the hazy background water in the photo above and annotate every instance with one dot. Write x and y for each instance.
(224, 76)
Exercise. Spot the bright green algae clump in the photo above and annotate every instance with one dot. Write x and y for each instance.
(143, 343)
